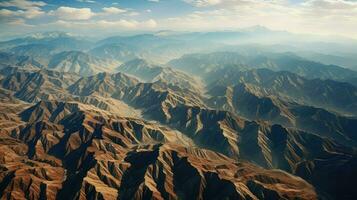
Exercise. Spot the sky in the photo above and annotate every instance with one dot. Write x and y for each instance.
(104, 17)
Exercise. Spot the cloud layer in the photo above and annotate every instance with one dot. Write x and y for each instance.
(306, 16)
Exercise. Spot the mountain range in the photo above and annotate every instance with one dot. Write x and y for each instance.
(123, 118)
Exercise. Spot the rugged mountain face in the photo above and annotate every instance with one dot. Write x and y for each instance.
(32, 86)
(337, 96)
(129, 89)
(36, 85)
(80, 63)
(11, 60)
(142, 69)
(221, 131)
(149, 72)
(75, 152)
(248, 101)
(103, 83)
(283, 98)
(266, 145)
(180, 120)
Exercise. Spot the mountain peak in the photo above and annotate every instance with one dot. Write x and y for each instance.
(52, 34)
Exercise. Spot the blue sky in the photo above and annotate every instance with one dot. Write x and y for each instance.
(163, 8)
(100, 17)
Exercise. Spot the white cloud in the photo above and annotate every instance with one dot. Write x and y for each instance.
(69, 13)
(154, 1)
(331, 4)
(113, 10)
(203, 3)
(25, 9)
(127, 24)
(121, 24)
(22, 4)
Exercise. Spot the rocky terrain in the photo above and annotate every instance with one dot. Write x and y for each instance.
(89, 122)
(70, 150)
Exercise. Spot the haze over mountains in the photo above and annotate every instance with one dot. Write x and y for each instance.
(177, 115)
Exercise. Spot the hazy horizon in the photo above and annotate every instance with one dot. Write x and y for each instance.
(97, 18)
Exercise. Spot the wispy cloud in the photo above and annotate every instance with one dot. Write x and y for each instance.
(113, 10)
(69, 13)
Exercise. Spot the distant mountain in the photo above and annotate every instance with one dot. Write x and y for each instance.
(42, 46)
(114, 51)
(80, 63)
(198, 63)
(39, 52)
(154, 47)
(57, 40)
(308, 69)
(255, 34)
(136, 41)
(342, 59)
(12, 60)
